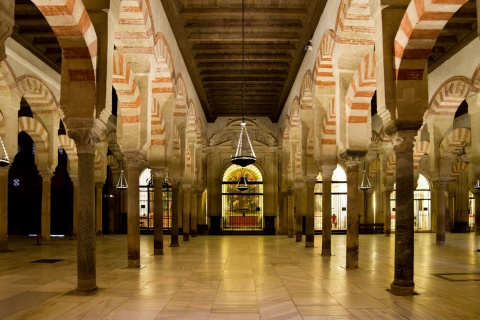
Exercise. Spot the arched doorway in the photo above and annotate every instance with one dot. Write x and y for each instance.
(339, 200)
(242, 209)
(421, 205)
(146, 184)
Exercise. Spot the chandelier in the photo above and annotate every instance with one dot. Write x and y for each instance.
(365, 182)
(122, 180)
(4, 161)
(244, 154)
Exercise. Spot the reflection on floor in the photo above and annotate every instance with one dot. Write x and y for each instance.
(241, 277)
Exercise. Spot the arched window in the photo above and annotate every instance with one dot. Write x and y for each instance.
(421, 205)
(339, 200)
(242, 209)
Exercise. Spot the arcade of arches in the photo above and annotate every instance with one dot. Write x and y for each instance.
(365, 100)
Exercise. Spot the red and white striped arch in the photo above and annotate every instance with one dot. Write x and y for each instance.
(354, 24)
(421, 148)
(374, 167)
(448, 97)
(76, 35)
(129, 100)
(36, 131)
(298, 159)
(324, 62)
(181, 98)
(419, 29)
(329, 126)
(310, 144)
(38, 95)
(455, 141)
(158, 125)
(7, 80)
(134, 32)
(391, 165)
(163, 83)
(361, 90)
(306, 91)
(458, 168)
(113, 163)
(294, 113)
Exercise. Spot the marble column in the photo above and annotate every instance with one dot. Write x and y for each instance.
(370, 212)
(46, 205)
(476, 194)
(133, 165)
(298, 210)
(291, 213)
(283, 229)
(98, 208)
(200, 210)
(193, 209)
(353, 161)
(404, 236)
(75, 206)
(175, 203)
(4, 209)
(187, 190)
(85, 139)
(158, 179)
(440, 188)
(310, 228)
(387, 192)
(327, 172)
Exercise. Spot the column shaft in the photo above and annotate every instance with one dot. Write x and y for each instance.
(46, 205)
(477, 213)
(186, 212)
(352, 215)
(98, 209)
(327, 214)
(440, 187)
(298, 213)
(310, 228)
(174, 232)
(158, 216)
(291, 215)
(4, 209)
(193, 209)
(133, 215)
(388, 211)
(404, 236)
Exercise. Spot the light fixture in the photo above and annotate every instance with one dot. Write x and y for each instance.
(4, 161)
(477, 185)
(122, 180)
(242, 184)
(244, 154)
(365, 182)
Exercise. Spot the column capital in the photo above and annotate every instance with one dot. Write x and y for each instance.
(134, 158)
(327, 171)
(298, 185)
(159, 173)
(310, 182)
(387, 189)
(46, 175)
(85, 139)
(404, 140)
(440, 183)
(353, 158)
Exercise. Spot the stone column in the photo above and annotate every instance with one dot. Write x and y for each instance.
(46, 205)
(440, 188)
(193, 209)
(387, 192)
(404, 236)
(187, 190)
(158, 179)
(291, 213)
(86, 139)
(327, 172)
(75, 206)
(98, 208)
(4, 209)
(310, 232)
(200, 209)
(174, 232)
(133, 165)
(353, 161)
(298, 210)
(369, 214)
(476, 194)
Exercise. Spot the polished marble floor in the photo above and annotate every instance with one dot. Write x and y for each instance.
(241, 277)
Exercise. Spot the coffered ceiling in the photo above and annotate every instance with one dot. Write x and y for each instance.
(209, 35)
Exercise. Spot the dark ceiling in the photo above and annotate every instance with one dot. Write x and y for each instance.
(209, 35)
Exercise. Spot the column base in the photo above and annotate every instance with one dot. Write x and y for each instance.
(186, 237)
(310, 244)
(174, 245)
(326, 252)
(86, 287)
(402, 290)
(290, 236)
(158, 252)
(441, 242)
(298, 238)
(133, 264)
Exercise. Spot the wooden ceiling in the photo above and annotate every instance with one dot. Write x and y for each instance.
(209, 35)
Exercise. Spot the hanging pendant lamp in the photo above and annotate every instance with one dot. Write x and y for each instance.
(4, 161)
(365, 182)
(122, 180)
(477, 185)
(244, 154)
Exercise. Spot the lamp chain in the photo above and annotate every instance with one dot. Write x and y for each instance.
(243, 60)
